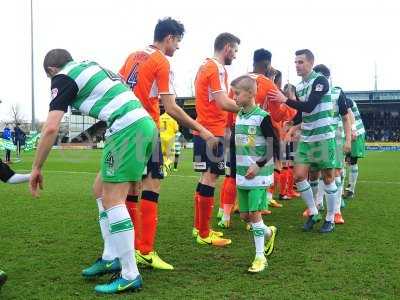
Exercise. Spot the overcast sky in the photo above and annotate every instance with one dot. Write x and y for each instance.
(347, 36)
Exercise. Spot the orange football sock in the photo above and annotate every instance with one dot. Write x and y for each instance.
(290, 180)
(149, 212)
(206, 205)
(230, 196)
(133, 208)
(283, 182)
(277, 174)
(196, 207)
(222, 193)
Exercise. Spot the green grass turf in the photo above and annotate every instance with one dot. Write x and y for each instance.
(45, 242)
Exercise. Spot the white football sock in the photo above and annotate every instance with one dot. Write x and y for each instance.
(331, 192)
(122, 239)
(353, 177)
(338, 181)
(314, 187)
(259, 232)
(320, 194)
(267, 231)
(304, 188)
(227, 212)
(108, 253)
(19, 178)
(343, 174)
(269, 197)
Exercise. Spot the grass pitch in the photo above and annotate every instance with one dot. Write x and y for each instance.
(46, 242)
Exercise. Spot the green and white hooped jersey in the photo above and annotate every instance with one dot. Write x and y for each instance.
(359, 124)
(251, 146)
(317, 125)
(177, 144)
(337, 118)
(103, 95)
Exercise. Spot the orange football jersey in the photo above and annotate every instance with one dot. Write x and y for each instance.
(278, 112)
(149, 75)
(211, 78)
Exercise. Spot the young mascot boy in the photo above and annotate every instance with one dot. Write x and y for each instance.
(253, 144)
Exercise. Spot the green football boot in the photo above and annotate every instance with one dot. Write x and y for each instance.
(120, 285)
(101, 267)
(311, 221)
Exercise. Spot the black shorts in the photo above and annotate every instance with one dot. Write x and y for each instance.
(231, 157)
(5, 172)
(276, 149)
(205, 159)
(155, 163)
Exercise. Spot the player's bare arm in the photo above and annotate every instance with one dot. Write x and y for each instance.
(185, 120)
(225, 102)
(48, 136)
(346, 119)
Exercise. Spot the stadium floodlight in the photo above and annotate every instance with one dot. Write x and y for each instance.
(32, 73)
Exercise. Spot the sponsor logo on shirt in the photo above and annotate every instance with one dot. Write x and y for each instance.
(252, 130)
(54, 93)
(319, 87)
(200, 166)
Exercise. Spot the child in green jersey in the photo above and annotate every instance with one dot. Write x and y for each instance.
(253, 144)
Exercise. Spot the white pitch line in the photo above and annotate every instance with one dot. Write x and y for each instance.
(193, 176)
(382, 182)
(62, 172)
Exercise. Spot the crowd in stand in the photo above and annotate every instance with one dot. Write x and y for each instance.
(381, 126)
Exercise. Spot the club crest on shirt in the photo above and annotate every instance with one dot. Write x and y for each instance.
(252, 130)
(54, 93)
(319, 87)
(110, 164)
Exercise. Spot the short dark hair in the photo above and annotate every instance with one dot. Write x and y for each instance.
(261, 54)
(309, 55)
(225, 38)
(166, 27)
(324, 70)
(278, 75)
(56, 58)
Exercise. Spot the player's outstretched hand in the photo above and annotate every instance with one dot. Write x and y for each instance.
(210, 139)
(252, 171)
(213, 142)
(292, 134)
(35, 182)
(277, 96)
(347, 147)
(353, 135)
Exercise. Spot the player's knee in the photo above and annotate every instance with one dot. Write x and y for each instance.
(314, 175)
(329, 177)
(98, 187)
(299, 176)
(151, 184)
(209, 178)
(245, 217)
(255, 216)
(135, 188)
